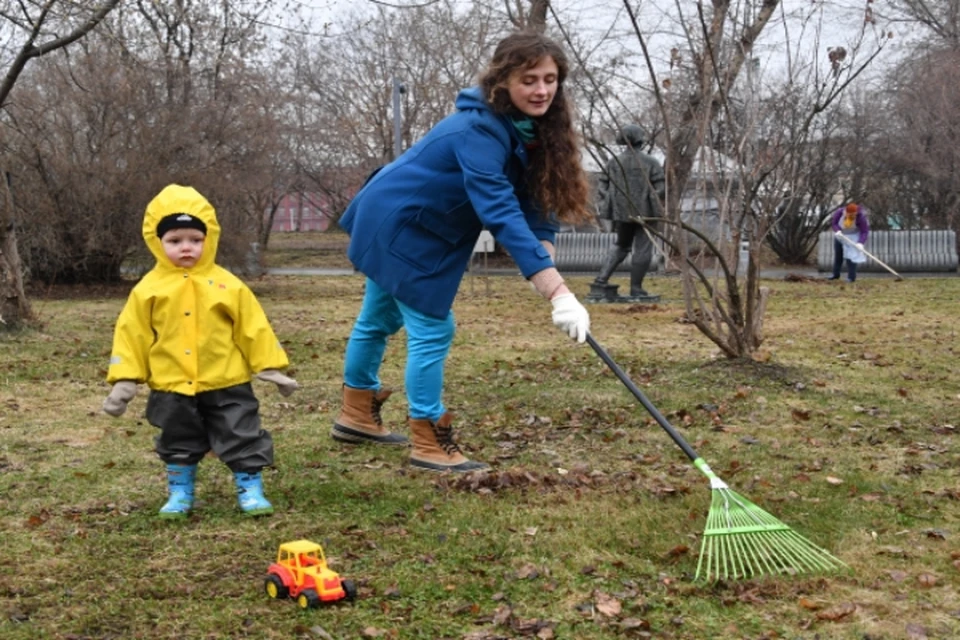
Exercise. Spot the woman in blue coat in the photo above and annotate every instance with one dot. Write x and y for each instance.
(502, 161)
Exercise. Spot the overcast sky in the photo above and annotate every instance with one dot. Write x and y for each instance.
(799, 27)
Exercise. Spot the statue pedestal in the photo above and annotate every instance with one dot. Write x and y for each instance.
(600, 293)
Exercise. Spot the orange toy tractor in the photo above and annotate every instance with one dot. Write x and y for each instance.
(301, 572)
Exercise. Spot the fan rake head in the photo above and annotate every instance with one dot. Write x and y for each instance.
(744, 541)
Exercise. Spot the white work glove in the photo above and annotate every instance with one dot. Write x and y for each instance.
(121, 394)
(570, 316)
(285, 385)
(860, 246)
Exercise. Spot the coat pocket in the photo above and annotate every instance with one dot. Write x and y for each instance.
(425, 240)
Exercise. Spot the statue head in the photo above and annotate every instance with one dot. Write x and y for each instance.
(632, 135)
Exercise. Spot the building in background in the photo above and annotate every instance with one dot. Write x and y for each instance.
(307, 211)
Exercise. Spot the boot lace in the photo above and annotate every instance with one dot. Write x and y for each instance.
(445, 439)
(375, 405)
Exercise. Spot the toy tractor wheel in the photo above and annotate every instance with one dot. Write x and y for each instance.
(349, 588)
(308, 599)
(274, 587)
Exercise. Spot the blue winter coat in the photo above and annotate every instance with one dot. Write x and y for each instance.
(413, 226)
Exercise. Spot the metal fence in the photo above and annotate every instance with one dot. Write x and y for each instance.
(923, 250)
(585, 252)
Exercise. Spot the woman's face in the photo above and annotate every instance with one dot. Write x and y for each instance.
(532, 90)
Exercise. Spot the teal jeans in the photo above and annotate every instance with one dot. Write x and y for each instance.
(428, 343)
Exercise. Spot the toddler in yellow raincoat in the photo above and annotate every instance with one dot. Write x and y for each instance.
(194, 333)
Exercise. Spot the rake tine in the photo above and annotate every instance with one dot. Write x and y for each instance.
(755, 542)
(740, 540)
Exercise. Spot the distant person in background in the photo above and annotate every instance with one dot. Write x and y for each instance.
(851, 221)
(507, 160)
(631, 187)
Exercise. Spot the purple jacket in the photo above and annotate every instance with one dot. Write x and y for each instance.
(860, 222)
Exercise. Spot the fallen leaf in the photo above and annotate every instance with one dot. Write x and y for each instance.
(892, 551)
(391, 592)
(528, 572)
(834, 481)
(483, 635)
(502, 615)
(810, 604)
(939, 534)
(529, 626)
(635, 623)
(898, 576)
(607, 604)
(837, 613)
(321, 633)
(927, 580)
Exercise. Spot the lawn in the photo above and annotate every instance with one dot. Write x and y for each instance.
(589, 524)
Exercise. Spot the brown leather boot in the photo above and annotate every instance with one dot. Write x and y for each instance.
(359, 419)
(434, 448)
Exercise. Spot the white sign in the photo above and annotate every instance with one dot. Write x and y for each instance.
(485, 243)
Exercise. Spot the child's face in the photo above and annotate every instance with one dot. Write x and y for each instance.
(532, 90)
(183, 246)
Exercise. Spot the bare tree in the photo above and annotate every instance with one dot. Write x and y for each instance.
(918, 173)
(528, 14)
(32, 29)
(97, 133)
(719, 162)
(916, 163)
(940, 18)
(344, 114)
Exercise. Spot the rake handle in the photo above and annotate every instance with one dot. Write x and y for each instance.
(868, 254)
(625, 379)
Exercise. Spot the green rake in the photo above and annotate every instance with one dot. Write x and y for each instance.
(741, 540)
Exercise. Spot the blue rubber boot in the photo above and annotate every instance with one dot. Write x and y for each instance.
(250, 494)
(180, 480)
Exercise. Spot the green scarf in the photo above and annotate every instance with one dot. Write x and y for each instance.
(526, 128)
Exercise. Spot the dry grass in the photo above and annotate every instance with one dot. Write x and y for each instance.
(588, 527)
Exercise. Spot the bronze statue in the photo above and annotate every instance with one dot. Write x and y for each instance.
(631, 188)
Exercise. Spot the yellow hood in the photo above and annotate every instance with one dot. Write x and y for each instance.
(193, 330)
(178, 199)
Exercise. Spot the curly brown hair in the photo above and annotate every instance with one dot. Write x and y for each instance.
(554, 175)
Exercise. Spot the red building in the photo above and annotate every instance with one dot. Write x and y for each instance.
(302, 212)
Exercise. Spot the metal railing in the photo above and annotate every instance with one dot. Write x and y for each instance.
(908, 251)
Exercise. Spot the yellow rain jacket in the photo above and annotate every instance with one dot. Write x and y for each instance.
(191, 330)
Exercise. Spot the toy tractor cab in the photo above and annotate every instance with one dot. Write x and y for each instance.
(301, 572)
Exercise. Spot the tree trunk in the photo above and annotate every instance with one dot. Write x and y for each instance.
(15, 309)
(533, 18)
(538, 15)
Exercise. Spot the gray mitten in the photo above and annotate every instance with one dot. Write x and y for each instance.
(122, 393)
(285, 385)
